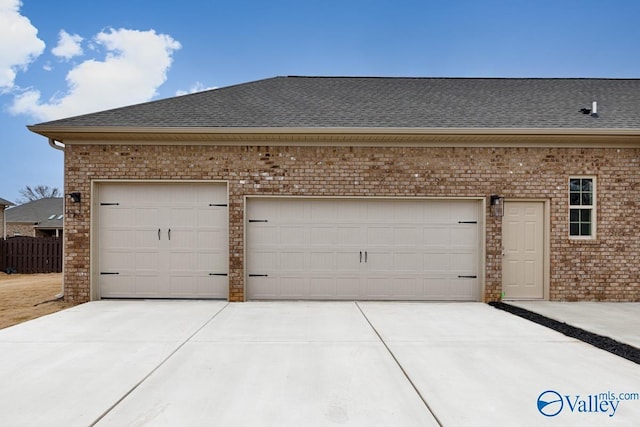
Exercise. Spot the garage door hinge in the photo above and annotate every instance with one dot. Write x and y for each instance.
(258, 220)
(109, 204)
(467, 222)
(217, 274)
(258, 275)
(467, 277)
(219, 205)
(104, 273)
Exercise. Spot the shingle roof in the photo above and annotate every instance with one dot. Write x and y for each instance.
(4, 202)
(47, 211)
(380, 102)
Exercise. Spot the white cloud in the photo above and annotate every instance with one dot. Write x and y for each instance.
(19, 42)
(68, 45)
(134, 66)
(196, 87)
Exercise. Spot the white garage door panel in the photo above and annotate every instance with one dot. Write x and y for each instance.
(162, 240)
(363, 249)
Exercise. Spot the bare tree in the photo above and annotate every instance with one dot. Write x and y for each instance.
(30, 194)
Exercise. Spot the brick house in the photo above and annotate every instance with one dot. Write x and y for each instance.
(358, 188)
(37, 218)
(4, 204)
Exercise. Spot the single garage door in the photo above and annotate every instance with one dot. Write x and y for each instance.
(369, 249)
(162, 240)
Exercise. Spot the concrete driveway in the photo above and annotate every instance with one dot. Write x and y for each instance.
(301, 363)
(617, 320)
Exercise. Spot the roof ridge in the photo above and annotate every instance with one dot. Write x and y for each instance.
(445, 78)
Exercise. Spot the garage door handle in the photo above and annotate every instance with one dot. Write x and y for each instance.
(158, 234)
(467, 277)
(361, 257)
(366, 254)
(169, 234)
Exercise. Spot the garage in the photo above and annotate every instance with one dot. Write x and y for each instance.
(161, 240)
(363, 249)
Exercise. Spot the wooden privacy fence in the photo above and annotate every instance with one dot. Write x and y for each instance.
(27, 255)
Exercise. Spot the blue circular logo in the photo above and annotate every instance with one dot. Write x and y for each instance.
(550, 403)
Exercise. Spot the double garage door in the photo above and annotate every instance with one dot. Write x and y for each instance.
(375, 249)
(157, 240)
(162, 240)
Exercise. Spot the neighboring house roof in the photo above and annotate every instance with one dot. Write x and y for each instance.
(381, 102)
(45, 213)
(4, 202)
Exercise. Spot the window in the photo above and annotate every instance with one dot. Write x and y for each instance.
(582, 202)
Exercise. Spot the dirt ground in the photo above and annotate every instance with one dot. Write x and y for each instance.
(28, 296)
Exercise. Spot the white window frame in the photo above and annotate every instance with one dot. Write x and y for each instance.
(591, 207)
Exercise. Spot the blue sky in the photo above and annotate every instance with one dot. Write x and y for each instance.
(60, 59)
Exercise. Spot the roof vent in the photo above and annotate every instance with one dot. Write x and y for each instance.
(593, 110)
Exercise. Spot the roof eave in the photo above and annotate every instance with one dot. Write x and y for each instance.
(359, 136)
(52, 131)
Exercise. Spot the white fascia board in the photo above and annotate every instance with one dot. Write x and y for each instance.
(48, 130)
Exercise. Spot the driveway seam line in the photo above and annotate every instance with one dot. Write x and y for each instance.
(406, 375)
(165, 360)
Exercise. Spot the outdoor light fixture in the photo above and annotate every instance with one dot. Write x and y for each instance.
(497, 205)
(75, 197)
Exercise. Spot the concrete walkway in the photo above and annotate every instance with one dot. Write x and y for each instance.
(617, 320)
(299, 363)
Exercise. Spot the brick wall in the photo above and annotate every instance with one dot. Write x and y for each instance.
(21, 229)
(607, 268)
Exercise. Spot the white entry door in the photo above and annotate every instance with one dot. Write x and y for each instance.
(523, 253)
(162, 240)
(373, 249)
